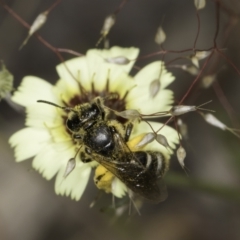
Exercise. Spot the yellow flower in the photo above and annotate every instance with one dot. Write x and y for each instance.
(46, 137)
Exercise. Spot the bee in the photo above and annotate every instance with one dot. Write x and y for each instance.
(90, 126)
(107, 141)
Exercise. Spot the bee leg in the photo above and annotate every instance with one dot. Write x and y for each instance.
(84, 158)
(128, 131)
(100, 107)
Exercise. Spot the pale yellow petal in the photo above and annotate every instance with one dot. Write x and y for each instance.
(119, 189)
(129, 53)
(102, 71)
(28, 142)
(152, 71)
(169, 132)
(147, 105)
(140, 97)
(98, 70)
(75, 183)
(92, 68)
(71, 73)
(66, 91)
(52, 157)
(33, 89)
(44, 115)
(59, 134)
(121, 84)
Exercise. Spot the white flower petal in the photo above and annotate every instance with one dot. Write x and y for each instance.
(75, 183)
(121, 84)
(169, 132)
(33, 89)
(129, 53)
(98, 70)
(153, 71)
(65, 90)
(44, 115)
(103, 70)
(146, 105)
(71, 73)
(52, 157)
(140, 97)
(119, 189)
(28, 142)
(93, 69)
(59, 134)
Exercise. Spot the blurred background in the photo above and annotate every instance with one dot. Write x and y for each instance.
(205, 204)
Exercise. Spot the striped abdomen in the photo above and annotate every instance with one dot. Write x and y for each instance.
(154, 162)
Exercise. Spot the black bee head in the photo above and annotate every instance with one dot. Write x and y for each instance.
(81, 115)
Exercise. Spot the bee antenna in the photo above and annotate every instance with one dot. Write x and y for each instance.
(55, 105)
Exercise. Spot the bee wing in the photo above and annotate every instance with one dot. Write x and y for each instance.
(137, 178)
(121, 144)
(123, 149)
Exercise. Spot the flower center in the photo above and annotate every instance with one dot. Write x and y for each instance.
(116, 103)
